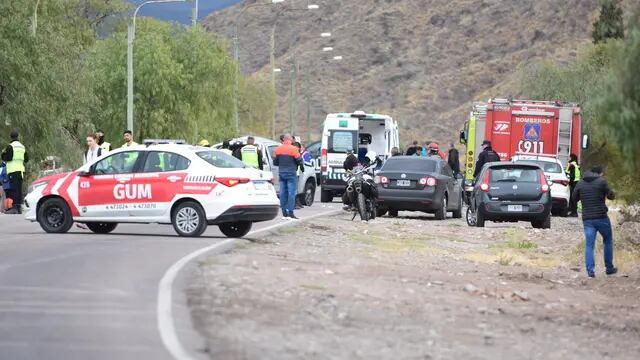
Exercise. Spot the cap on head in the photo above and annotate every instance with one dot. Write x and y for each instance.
(127, 132)
(14, 134)
(204, 143)
(486, 142)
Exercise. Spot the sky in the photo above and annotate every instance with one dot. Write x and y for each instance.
(181, 12)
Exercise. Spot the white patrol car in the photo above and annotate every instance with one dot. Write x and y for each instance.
(553, 170)
(172, 183)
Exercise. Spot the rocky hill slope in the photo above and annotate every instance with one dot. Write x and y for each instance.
(422, 61)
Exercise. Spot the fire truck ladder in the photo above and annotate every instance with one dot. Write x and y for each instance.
(565, 128)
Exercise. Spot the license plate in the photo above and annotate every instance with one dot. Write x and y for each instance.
(261, 185)
(403, 183)
(514, 208)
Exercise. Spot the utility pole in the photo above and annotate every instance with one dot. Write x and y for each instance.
(272, 60)
(292, 97)
(130, 36)
(307, 87)
(236, 83)
(194, 18)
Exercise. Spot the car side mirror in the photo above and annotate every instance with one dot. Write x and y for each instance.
(585, 141)
(84, 173)
(463, 137)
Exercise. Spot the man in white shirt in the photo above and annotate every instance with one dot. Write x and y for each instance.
(93, 149)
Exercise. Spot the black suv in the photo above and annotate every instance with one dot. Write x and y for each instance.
(510, 192)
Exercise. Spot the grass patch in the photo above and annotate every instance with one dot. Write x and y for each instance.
(287, 230)
(515, 239)
(504, 259)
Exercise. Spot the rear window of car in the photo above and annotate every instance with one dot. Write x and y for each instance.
(220, 159)
(342, 140)
(547, 166)
(514, 174)
(410, 164)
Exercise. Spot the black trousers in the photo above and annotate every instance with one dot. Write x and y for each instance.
(573, 206)
(15, 193)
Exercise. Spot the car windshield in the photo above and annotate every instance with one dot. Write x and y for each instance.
(220, 159)
(514, 174)
(547, 166)
(410, 164)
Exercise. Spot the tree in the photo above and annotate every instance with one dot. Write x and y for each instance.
(44, 90)
(610, 24)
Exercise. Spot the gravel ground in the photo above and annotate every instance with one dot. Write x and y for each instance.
(416, 288)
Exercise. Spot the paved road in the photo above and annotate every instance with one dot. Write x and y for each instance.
(86, 296)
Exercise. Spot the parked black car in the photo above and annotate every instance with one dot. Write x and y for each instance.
(415, 183)
(510, 192)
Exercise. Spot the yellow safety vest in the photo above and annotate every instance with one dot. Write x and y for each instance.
(250, 156)
(17, 163)
(106, 147)
(577, 170)
(133, 143)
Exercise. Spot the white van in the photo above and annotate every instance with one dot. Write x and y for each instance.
(359, 131)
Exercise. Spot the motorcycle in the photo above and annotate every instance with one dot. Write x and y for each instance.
(362, 193)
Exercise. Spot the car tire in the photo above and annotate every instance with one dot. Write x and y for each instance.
(101, 228)
(326, 196)
(564, 212)
(189, 219)
(393, 213)
(380, 211)
(457, 214)
(236, 229)
(441, 213)
(309, 193)
(471, 217)
(542, 224)
(55, 216)
(479, 219)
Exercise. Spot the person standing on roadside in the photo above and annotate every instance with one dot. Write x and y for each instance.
(105, 146)
(15, 155)
(250, 154)
(592, 192)
(486, 156)
(413, 148)
(128, 139)
(94, 151)
(395, 151)
(573, 173)
(288, 160)
(454, 159)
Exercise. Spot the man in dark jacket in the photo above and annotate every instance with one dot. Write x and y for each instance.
(486, 156)
(454, 159)
(592, 191)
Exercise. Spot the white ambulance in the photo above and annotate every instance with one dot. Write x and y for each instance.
(360, 132)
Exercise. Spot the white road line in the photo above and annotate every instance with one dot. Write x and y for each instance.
(166, 326)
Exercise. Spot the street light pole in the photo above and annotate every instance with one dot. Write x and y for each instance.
(131, 35)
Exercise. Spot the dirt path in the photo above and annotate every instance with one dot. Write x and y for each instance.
(416, 288)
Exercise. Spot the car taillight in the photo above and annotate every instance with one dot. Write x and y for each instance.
(381, 180)
(485, 181)
(231, 182)
(323, 160)
(427, 181)
(561, 182)
(544, 186)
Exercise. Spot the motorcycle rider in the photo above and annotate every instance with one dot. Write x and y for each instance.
(351, 161)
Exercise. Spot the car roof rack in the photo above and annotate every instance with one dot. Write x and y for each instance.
(149, 142)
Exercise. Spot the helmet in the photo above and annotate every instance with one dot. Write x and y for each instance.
(371, 155)
(349, 150)
(204, 143)
(433, 146)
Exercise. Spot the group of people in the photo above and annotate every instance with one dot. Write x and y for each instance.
(432, 149)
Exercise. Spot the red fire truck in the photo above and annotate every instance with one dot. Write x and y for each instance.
(522, 126)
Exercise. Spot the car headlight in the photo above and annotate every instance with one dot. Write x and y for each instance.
(35, 187)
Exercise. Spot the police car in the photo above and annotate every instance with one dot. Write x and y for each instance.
(165, 182)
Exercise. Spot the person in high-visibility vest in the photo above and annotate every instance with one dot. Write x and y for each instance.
(251, 154)
(105, 146)
(574, 175)
(15, 155)
(128, 139)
